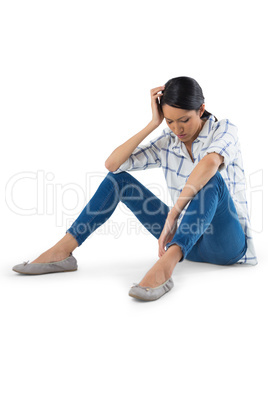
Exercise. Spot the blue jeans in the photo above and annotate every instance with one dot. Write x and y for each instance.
(209, 231)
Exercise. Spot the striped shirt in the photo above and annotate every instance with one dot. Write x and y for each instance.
(168, 152)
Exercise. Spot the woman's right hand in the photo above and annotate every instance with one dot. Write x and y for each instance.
(158, 116)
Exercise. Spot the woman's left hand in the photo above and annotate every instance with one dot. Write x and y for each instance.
(167, 233)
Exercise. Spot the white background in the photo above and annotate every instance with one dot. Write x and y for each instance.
(75, 83)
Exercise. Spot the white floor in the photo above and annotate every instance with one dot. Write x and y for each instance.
(78, 335)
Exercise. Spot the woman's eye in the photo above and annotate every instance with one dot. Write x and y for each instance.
(185, 121)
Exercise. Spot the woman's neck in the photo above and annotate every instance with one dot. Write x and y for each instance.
(189, 143)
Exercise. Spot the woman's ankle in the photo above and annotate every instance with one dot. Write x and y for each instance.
(52, 255)
(59, 250)
(68, 243)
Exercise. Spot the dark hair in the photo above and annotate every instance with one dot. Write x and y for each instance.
(184, 93)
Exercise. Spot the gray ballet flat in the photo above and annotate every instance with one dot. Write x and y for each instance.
(66, 265)
(149, 294)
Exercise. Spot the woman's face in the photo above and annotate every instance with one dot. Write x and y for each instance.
(186, 124)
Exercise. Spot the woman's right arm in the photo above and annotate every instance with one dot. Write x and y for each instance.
(123, 152)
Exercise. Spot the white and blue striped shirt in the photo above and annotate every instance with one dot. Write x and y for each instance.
(168, 152)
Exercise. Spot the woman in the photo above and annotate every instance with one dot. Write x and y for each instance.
(202, 164)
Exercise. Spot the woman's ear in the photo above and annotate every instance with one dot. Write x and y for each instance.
(202, 109)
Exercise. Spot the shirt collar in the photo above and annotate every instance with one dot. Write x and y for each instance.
(202, 136)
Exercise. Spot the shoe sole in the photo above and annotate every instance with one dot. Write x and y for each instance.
(44, 273)
(140, 298)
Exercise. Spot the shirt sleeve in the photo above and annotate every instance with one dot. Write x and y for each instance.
(224, 142)
(146, 156)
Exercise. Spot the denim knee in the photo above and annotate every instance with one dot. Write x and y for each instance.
(121, 174)
(217, 179)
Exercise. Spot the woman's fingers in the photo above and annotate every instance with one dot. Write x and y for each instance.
(157, 89)
(157, 113)
(161, 247)
(156, 96)
(161, 253)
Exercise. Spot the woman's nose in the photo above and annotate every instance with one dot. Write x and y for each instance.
(177, 130)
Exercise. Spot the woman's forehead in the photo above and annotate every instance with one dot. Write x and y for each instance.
(173, 113)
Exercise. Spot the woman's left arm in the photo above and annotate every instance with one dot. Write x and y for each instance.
(201, 174)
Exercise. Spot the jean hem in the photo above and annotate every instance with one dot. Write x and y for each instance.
(184, 253)
(76, 237)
